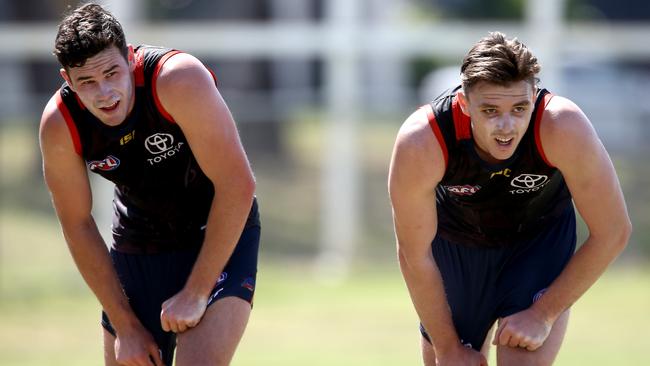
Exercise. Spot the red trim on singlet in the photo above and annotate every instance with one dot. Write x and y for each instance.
(462, 123)
(214, 77)
(538, 120)
(139, 68)
(69, 122)
(154, 80)
(436, 131)
(81, 105)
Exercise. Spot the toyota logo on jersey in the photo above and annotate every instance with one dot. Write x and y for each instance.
(159, 143)
(109, 163)
(528, 183)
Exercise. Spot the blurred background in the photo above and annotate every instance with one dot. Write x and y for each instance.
(318, 89)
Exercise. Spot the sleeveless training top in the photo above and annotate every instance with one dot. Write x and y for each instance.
(493, 205)
(162, 197)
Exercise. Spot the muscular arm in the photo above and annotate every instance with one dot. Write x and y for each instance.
(67, 180)
(417, 166)
(571, 144)
(187, 91)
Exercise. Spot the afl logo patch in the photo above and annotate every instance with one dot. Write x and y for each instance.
(465, 190)
(109, 163)
(159, 143)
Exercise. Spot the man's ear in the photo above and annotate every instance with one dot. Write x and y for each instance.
(66, 77)
(462, 102)
(130, 55)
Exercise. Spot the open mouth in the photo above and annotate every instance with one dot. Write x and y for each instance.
(504, 141)
(111, 107)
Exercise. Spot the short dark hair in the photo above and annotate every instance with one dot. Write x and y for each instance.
(498, 60)
(85, 32)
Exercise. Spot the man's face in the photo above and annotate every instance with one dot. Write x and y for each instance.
(105, 85)
(500, 116)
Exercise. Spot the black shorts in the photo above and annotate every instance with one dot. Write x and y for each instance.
(484, 284)
(150, 279)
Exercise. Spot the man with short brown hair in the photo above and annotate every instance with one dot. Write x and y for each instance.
(482, 181)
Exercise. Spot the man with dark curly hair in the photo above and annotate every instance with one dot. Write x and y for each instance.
(183, 260)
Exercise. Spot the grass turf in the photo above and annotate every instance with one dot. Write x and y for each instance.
(49, 317)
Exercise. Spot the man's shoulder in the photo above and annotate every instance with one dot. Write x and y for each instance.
(415, 133)
(562, 115)
(52, 119)
(564, 127)
(417, 149)
(181, 69)
(54, 131)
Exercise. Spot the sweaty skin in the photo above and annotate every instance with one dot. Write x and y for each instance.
(500, 117)
(105, 85)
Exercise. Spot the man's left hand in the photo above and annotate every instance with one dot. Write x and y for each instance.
(182, 311)
(525, 329)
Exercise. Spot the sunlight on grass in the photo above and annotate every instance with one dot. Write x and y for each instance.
(48, 316)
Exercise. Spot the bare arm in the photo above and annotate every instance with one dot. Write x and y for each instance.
(67, 180)
(571, 144)
(187, 91)
(417, 166)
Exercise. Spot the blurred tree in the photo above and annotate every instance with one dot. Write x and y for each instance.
(477, 9)
(32, 10)
(621, 10)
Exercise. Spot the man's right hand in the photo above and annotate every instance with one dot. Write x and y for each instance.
(461, 356)
(136, 347)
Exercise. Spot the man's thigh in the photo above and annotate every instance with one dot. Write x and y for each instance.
(534, 266)
(469, 278)
(543, 356)
(109, 349)
(149, 280)
(429, 353)
(214, 340)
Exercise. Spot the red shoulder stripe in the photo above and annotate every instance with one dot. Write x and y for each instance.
(139, 68)
(436, 131)
(81, 105)
(69, 122)
(154, 80)
(214, 77)
(538, 120)
(462, 123)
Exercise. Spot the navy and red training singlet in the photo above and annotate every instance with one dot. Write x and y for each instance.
(493, 205)
(162, 197)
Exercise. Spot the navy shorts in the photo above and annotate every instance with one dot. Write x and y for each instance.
(150, 279)
(484, 284)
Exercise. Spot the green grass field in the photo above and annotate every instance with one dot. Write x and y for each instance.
(49, 317)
